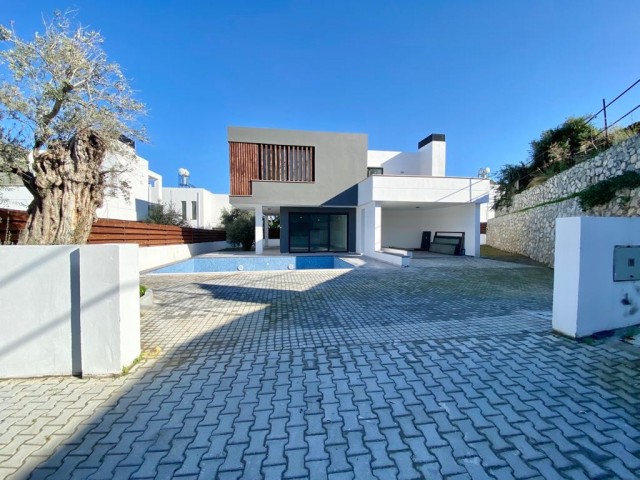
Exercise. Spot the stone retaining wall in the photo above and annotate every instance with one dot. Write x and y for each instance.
(528, 228)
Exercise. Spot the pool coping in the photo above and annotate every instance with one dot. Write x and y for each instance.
(344, 258)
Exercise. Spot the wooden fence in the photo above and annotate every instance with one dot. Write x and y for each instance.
(120, 231)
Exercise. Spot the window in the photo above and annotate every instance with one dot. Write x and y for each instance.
(184, 210)
(194, 210)
(374, 171)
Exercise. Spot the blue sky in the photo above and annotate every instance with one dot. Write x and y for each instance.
(490, 75)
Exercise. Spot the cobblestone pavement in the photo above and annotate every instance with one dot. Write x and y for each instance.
(447, 369)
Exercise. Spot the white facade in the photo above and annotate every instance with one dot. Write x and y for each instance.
(15, 197)
(486, 210)
(412, 195)
(200, 207)
(429, 160)
(146, 188)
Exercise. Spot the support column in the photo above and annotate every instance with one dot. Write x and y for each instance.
(259, 230)
(377, 211)
(360, 230)
(372, 241)
(266, 231)
(476, 231)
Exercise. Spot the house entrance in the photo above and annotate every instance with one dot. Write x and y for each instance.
(318, 232)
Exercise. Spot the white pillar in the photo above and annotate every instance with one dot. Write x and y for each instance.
(266, 232)
(378, 227)
(109, 308)
(372, 241)
(259, 230)
(476, 231)
(360, 230)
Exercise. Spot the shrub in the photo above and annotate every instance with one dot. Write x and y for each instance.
(143, 290)
(562, 144)
(556, 150)
(165, 214)
(240, 227)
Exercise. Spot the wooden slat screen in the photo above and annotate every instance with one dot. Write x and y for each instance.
(286, 163)
(243, 159)
(261, 161)
(483, 227)
(121, 231)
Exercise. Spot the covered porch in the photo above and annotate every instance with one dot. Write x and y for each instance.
(395, 211)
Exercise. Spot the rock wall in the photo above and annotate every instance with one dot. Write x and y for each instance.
(528, 228)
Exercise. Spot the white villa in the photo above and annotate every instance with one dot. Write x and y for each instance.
(335, 195)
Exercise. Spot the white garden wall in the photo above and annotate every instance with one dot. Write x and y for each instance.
(586, 299)
(68, 310)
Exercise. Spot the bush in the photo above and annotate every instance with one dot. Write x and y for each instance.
(143, 290)
(562, 145)
(240, 227)
(556, 150)
(165, 214)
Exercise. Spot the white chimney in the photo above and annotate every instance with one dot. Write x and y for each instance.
(433, 155)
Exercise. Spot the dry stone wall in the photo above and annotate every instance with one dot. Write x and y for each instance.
(528, 226)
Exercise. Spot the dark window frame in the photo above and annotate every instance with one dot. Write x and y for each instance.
(328, 215)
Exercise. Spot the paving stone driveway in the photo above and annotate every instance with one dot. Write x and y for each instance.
(447, 369)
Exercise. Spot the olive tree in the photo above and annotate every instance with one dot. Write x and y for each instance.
(240, 227)
(63, 108)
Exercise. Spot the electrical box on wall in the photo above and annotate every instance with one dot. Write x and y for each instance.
(626, 263)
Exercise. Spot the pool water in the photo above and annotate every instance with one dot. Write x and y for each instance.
(254, 264)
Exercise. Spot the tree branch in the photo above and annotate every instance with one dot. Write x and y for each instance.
(46, 120)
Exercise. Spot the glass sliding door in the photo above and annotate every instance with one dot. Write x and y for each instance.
(298, 232)
(318, 232)
(338, 233)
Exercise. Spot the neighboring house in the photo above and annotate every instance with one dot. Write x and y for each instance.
(198, 206)
(13, 194)
(146, 189)
(333, 195)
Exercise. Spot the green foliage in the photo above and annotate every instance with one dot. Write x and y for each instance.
(57, 84)
(143, 290)
(274, 221)
(509, 180)
(563, 144)
(63, 106)
(555, 151)
(240, 227)
(165, 214)
(603, 192)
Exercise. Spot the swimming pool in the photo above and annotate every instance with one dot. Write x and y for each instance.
(254, 264)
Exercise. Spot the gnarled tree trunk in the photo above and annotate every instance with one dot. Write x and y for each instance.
(68, 188)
